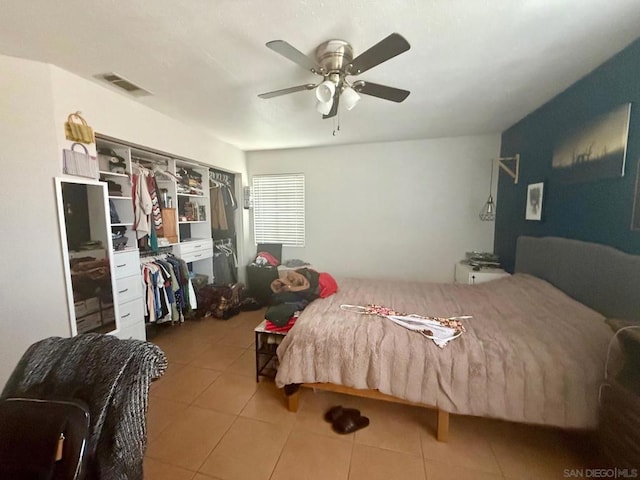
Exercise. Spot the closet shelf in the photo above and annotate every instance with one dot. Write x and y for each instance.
(126, 249)
(113, 174)
(190, 195)
(192, 221)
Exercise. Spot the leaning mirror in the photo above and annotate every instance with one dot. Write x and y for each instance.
(83, 211)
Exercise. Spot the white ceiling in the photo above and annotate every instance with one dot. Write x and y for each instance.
(474, 67)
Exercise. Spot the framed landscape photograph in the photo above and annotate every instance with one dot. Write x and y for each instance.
(595, 149)
(534, 201)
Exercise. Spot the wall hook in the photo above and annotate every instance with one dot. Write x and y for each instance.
(512, 172)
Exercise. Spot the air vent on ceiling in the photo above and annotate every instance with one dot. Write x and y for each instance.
(123, 84)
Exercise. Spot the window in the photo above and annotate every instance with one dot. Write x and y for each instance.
(278, 209)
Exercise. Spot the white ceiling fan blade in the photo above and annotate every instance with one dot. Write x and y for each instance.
(295, 55)
(393, 45)
(285, 91)
(381, 91)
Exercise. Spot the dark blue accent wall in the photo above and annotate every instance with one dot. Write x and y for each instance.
(598, 211)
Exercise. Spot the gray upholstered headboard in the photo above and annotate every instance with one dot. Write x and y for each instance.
(599, 276)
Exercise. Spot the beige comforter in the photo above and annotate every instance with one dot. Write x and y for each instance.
(530, 353)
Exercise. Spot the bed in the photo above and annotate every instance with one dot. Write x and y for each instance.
(534, 351)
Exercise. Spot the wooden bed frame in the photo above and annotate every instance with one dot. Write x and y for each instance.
(442, 428)
(601, 277)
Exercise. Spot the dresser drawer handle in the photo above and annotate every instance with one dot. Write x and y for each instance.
(125, 315)
(122, 291)
(197, 246)
(198, 256)
(123, 265)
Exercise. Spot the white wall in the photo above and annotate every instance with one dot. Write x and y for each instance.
(32, 294)
(399, 210)
(36, 99)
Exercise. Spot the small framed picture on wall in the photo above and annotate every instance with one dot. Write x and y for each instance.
(534, 201)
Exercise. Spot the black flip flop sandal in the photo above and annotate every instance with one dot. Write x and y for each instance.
(336, 412)
(349, 423)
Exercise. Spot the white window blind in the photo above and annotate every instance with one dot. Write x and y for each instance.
(278, 209)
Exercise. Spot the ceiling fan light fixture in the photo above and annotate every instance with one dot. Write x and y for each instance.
(324, 107)
(349, 98)
(325, 91)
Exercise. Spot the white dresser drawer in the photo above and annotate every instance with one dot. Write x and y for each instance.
(131, 313)
(197, 255)
(137, 332)
(128, 288)
(193, 246)
(126, 264)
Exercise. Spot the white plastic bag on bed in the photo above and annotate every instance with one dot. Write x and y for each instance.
(440, 330)
(428, 328)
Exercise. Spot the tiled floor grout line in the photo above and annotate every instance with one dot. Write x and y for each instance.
(424, 463)
(353, 443)
(495, 455)
(275, 465)
(216, 445)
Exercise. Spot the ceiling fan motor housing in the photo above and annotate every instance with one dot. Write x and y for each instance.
(334, 55)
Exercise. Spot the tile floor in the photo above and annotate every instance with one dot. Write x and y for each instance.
(209, 420)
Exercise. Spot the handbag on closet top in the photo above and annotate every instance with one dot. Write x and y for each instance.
(80, 163)
(77, 129)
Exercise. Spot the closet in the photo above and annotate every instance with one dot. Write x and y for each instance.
(185, 220)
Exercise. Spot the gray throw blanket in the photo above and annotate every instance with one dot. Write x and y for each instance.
(112, 377)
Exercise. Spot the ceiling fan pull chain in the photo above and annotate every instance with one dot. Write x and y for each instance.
(336, 120)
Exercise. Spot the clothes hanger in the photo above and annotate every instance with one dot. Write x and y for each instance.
(165, 173)
(142, 170)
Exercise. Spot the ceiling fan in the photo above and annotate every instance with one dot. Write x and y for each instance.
(334, 62)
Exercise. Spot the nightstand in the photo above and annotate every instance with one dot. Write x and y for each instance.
(266, 343)
(466, 274)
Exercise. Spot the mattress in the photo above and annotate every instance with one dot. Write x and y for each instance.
(530, 353)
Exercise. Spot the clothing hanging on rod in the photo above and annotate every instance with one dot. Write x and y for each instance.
(218, 210)
(169, 293)
(222, 180)
(222, 205)
(225, 263)
(146, 207)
